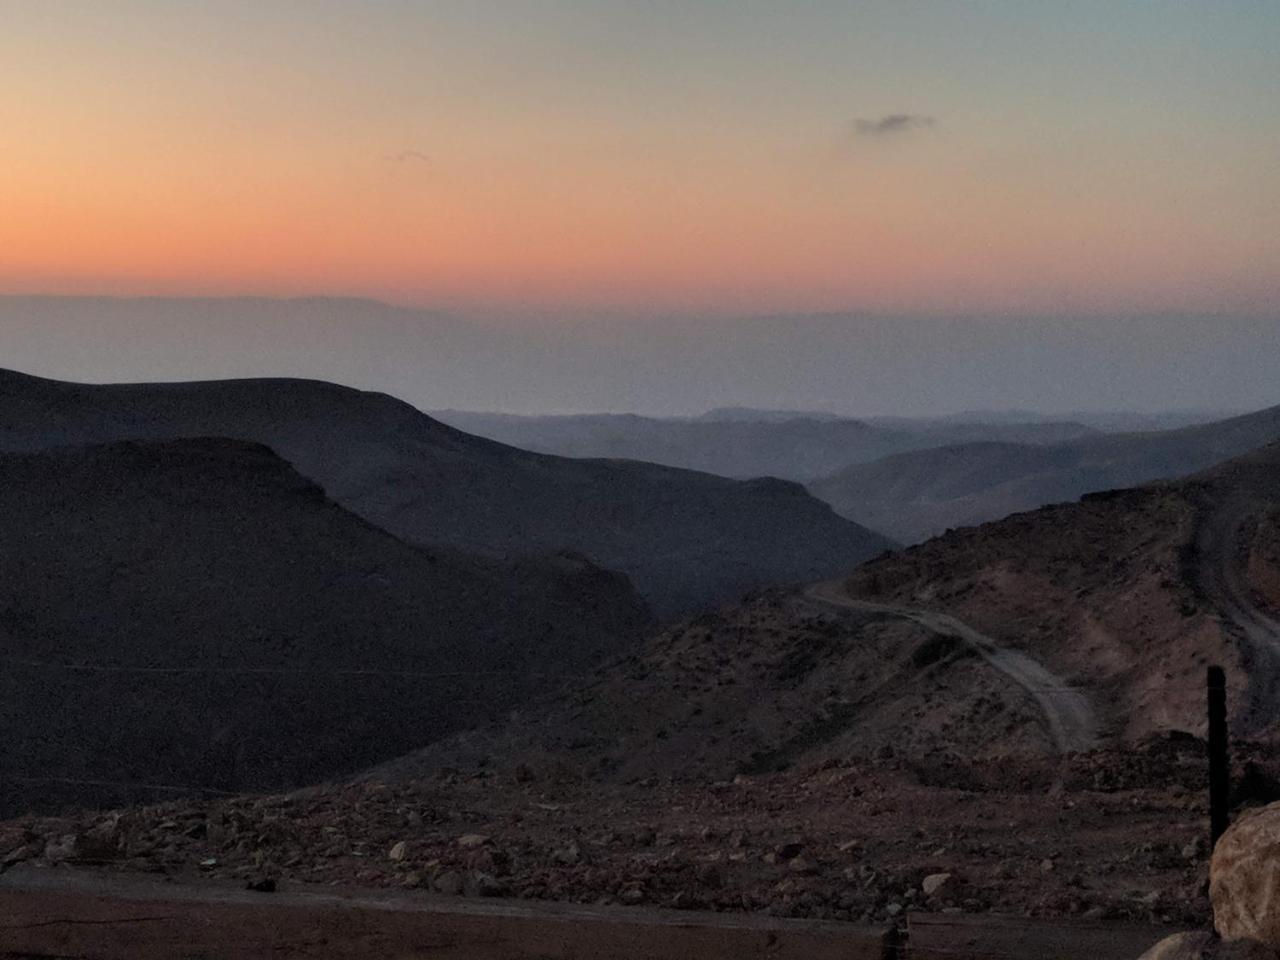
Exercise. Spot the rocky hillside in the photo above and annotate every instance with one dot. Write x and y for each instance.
(197, 614)
(687, 540)
(916, 495)
(1131, 593)
(778, 682)
(1064, 629)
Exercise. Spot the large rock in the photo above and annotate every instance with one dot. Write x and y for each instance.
(1205, 946)
(1244, 878)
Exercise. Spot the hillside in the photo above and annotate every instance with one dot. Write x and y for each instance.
(800, 448)
(847, 751)
(1064, 629)
(915, 495)
(1131, 593)
(742, 442)
(196, 614)
(687, 540)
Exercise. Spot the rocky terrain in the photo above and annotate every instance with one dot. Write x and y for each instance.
(1100, 836)
(777, 682)
(916, 495)
(1130, 593)
(1060, 630)
(687, 540)
(195, 614)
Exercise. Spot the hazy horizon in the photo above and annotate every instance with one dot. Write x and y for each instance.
(875, 208)
(853, 364)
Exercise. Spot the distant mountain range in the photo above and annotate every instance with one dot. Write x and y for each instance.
(915, 495)
(687, 540)
(743, 442)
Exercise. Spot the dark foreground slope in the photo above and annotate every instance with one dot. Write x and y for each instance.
(196, 613)
(687, 540)
(913, 496)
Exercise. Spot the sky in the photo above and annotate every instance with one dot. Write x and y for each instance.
(698, 158)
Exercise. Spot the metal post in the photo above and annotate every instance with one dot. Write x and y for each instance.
(1219, 760)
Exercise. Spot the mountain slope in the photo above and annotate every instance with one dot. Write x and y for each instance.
(742, 443)
(195, 613)
(1131, 592)
(1071, 626)
(798, 448)
(916, 495)
(687, 540)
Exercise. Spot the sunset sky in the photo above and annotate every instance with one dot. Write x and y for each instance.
(710, 155)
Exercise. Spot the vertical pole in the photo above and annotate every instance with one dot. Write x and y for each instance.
(1219, 761)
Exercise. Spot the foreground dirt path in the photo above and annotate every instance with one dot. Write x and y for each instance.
(1072, 722)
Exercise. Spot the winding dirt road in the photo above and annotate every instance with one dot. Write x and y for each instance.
(1223, 582)
(1072, 723)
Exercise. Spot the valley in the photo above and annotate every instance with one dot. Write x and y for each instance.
(1039, 677)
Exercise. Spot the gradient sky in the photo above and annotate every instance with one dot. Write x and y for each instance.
(708, 155)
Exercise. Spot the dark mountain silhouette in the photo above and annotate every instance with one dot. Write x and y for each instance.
(687, 540)
(195, 613)
(916, 495)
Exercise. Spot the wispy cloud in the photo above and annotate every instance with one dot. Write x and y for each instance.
(891, 123)
(408, 156)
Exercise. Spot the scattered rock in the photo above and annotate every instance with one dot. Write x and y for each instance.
(709, 875)
(450, 883)
(802, 866)
(469, 841)
(567, 855)
(262, 885)
(788, 851)
(61, 849)
(1197, 849)
(482, 884)
(398, 852)
(937, 884)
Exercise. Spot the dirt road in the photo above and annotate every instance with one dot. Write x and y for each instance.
(1072, 723)
(1221, 578)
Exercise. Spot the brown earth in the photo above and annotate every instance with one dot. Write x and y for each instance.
(776, 682)
(1051, 631)
(1130, 594)
(1104, 835)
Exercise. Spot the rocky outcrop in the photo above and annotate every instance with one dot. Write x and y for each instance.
(1244, 878)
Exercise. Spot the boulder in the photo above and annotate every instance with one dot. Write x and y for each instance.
(938, 885)
(1206, 946)
(1244, 879)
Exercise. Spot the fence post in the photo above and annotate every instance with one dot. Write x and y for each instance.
(1219, 759)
